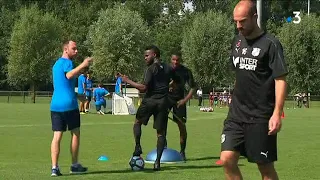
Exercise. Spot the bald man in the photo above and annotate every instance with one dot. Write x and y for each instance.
(64, 107)
(254, 117)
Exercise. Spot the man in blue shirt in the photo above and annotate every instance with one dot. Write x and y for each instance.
(81, 91)
(89, 89)
(118, 87)
(98, 96)
(64, 106)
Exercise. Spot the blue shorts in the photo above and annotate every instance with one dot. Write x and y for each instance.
(98, 106)
(63, 120)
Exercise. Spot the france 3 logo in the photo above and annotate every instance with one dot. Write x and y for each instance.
(296, 19)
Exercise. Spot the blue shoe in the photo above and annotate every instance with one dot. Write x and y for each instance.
(55, 172)
(79, 169)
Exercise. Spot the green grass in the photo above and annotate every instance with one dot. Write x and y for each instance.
(25, 136)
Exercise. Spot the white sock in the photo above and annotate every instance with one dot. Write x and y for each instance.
(55, 167)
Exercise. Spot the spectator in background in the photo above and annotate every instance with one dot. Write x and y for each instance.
(118, 87)
(199, 94)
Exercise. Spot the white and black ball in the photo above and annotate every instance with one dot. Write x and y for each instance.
(136, 163)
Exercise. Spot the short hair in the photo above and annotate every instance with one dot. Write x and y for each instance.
(65, 43)
(253, 8)
(176, 53)
(155, 49)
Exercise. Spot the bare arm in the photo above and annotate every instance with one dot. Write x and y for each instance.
(76, 71)
(192, 87)
(140, 87)
(188, 96)
(280, 92)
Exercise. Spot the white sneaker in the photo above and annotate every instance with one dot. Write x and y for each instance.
(101, 112)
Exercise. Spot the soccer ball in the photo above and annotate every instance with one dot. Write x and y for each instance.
(136, 163)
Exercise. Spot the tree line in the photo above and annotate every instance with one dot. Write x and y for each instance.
(115, 33)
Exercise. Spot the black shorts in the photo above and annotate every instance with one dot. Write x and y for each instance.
(63, 120)
(81, 97)
(88, 98)
(180, 112)
(156, 107)
(251, 140)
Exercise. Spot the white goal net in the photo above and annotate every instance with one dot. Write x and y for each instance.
(122, 105)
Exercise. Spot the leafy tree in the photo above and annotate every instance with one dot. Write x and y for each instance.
(148, 9)
(206, 48)
(168, 28)
(35, 43)
(117, 41)
(7, 18)
(225, 6)
(301, 43)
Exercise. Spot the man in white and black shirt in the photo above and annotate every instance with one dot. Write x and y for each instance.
(254, 117)
(199, 94)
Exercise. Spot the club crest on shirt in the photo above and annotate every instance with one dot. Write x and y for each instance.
(255, 52)
(238, 44)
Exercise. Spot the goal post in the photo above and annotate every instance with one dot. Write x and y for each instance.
(122, 105)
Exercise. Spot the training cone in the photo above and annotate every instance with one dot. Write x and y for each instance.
(169, 156)
(219, 162)
(103, 158)
(282, 115)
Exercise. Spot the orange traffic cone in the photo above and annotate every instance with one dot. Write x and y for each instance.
(282, 115)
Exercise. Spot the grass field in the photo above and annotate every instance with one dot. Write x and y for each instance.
(25, 136)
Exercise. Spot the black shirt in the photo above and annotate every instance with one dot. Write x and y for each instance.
(157, 78)
(257, 63)
(183, 81)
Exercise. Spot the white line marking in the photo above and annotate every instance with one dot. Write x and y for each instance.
(89, 124)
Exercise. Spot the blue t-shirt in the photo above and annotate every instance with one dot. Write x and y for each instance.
(81, 81)
(118, 84)
(99, 94)
(64, 98)
(88, 87)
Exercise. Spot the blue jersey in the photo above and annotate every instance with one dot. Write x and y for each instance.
(64, 98)
(118, 84)
(99, 94)
(88, 87)
(81, 81)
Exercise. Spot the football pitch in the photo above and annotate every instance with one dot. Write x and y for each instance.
(25, 136)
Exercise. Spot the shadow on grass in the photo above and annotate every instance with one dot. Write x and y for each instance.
(203, 158)
(150, 170)
(208, 158)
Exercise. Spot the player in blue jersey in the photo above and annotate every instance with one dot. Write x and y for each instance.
(81, 91)
(64, 106)
(89, 89)
(118, 87)
(98, 96)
